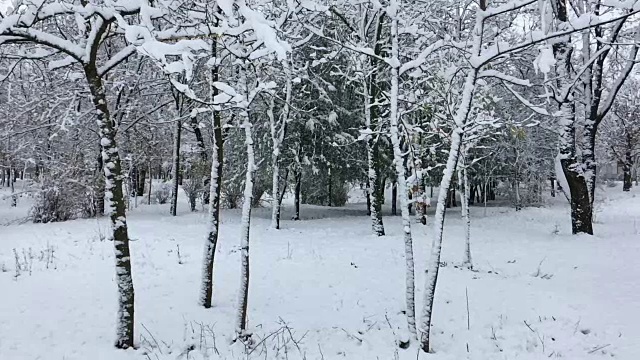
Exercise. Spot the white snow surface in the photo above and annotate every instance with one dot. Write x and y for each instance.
(331, 281)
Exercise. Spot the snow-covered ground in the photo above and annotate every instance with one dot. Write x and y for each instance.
(326, 287)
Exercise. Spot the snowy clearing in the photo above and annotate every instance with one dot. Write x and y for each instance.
(538, 292)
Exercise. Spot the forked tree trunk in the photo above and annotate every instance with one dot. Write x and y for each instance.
(116, 210)
(579, 186)
(460, 120)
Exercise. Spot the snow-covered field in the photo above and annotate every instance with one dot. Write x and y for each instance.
(325, 288)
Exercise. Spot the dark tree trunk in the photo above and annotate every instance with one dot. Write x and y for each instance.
(374, 153)
(203, 157)
(581, 211)
(176, 169)
(368, 193)
(297, 194)
(280, 197)
(552, 181)
(626, 166)
(394, 197)
(116, 209)
(142, 178)
(330, 188)
(472, 194)
(14, 198)
(451, 199)
(150, 184)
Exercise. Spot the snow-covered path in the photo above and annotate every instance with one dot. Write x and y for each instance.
(538, 292)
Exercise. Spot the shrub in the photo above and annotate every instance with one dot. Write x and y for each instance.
(162, 193)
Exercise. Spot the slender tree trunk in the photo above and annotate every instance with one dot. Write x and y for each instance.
(215, 191)
(243, 295)
(150, 183)
(278, 133)
(376, 191)
(176, 169)
(552, 181)
(99, 202)
(14, 198)
(464, 201)
(372, 117)
(330, 187)
(215, 185)
(275, 191)
(202, 151)
(368, 196)
(281, 197)
(298, 176)
(394, 197)
(400, 175)
(460, 120)
(626, 167)
(116, 209)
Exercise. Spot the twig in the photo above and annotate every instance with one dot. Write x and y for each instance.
(351, 336)
(598, 348)
(152, 337)
(535, 332)
(466, 293)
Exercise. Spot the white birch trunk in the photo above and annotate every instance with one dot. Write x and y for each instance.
(464, 180)
(212, 234)
(402, 181)
(215, 184)
(460, 120)
(278, 132)
(243, 293)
